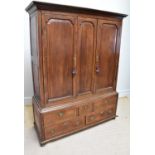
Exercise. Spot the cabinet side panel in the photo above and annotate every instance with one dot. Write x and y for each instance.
(38, 121)
(34, 54)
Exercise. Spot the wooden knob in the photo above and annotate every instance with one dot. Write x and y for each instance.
(60, 114)
(52, 131)
(92, 118)
(109, 112)
(65, 123)
(102, 113)
(97, 69)
(77, 122)
(106, 101)
(85, 107)
(74, 71)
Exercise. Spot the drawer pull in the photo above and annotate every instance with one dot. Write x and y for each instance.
(53, 131)
(106, 101)
(92, 118)
(85, 107)
(60, 114)
(102, 113)
(109, 112)
(77, 123)
(65, 123)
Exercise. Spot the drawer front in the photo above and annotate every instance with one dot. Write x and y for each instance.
(105, 104)
(64, 127)
(60, 115)
(85, 109)
(103, 115)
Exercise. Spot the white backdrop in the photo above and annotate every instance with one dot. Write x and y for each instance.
(121, 6)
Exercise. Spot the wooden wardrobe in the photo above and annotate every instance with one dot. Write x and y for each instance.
(75, 54)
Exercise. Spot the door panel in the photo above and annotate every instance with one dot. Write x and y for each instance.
(86, 50)
(105, 55)
(60, 50)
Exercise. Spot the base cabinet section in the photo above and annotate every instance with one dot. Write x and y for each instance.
(73, 118)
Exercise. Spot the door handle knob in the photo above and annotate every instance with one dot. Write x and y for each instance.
(74, 71)
(97, 69)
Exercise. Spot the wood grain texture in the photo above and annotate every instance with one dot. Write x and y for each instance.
(86, 52)
(71, 9)
(77, 117)
(75, 55)
(59, 51)
(106, 54)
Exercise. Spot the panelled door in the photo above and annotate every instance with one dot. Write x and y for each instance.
(106, 54)
(58, 53)
(86, 54)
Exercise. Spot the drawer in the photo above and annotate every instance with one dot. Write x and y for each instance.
(100, 116)
(64, 127)
(59, 115)
(105, 104)
(85, 109)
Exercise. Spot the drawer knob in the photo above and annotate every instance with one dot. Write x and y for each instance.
(60, 114)
(65, 123)
(92, 118)
(85, 107)
(109, 112)
(77, 122)
(106, 101)
(52, 131)
(102, 113)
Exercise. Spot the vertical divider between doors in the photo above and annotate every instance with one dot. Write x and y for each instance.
(75, 58)
(96, 53)
(94, 58)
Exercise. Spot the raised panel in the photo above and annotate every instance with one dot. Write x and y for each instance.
(60, 52)
(106, 55)
(86, 50)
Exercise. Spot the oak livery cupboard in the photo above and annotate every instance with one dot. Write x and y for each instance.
(75, 54)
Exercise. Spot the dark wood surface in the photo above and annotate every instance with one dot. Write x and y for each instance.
(86, 54)
(106, 54)
(58, 123)
(75, 55)
(34, 54)
(35, 5)
(60, 50)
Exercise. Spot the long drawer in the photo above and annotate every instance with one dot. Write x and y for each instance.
(105, 104)
(101, 116)
(51, 118)
(64, 127)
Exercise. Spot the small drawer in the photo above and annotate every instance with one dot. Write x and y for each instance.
(64, 127)
(59, 115)
(85, 109)
(105, 104)
(100, 116)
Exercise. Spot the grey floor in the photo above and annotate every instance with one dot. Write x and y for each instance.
(110, 138)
